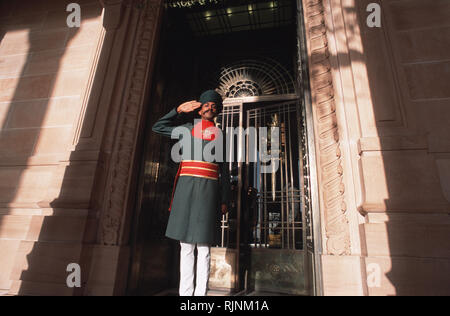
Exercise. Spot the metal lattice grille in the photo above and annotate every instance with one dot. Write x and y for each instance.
(278, 222)
(275, 218)
(255, 77)
(306, 185)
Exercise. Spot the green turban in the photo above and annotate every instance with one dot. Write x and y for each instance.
(211, 96)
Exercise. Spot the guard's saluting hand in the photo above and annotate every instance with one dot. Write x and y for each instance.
(189, 106)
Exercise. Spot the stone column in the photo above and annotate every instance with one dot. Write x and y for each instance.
(131, 39)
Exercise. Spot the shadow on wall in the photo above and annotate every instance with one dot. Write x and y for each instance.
(402, 117)
(44, 65)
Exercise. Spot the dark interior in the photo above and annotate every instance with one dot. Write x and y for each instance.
(189, 59)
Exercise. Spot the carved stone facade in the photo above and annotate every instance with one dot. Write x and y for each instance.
(120, 175)
(380, 116)
(332, 188)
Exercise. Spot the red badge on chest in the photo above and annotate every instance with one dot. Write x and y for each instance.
(205, 130)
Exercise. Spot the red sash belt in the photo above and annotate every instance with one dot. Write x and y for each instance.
(195, 168)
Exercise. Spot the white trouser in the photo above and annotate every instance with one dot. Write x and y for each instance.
(187, 260)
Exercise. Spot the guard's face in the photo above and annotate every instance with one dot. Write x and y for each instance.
(208, 111)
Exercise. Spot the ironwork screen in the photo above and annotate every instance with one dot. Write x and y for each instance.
(278, 220)
(274, 218)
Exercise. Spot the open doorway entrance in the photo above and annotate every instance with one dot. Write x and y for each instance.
(249, 52)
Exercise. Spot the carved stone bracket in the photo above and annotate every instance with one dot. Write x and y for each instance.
(332, 189)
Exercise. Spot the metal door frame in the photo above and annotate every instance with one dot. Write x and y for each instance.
(303, 114)
(304, 90)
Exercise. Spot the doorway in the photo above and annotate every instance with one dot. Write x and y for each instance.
(266, 239)
(261, 246)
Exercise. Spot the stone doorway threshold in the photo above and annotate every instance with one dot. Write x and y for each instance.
(174, 292)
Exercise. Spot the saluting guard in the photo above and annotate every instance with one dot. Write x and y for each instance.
(201, 190)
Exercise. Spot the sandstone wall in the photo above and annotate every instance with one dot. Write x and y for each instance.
(71, 112)
(71, 103)
(45, 76)
(393, 115)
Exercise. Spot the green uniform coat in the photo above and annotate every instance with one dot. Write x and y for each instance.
(196, 203)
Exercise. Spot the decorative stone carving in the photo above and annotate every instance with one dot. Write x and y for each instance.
(332, 189)
(121, 166)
